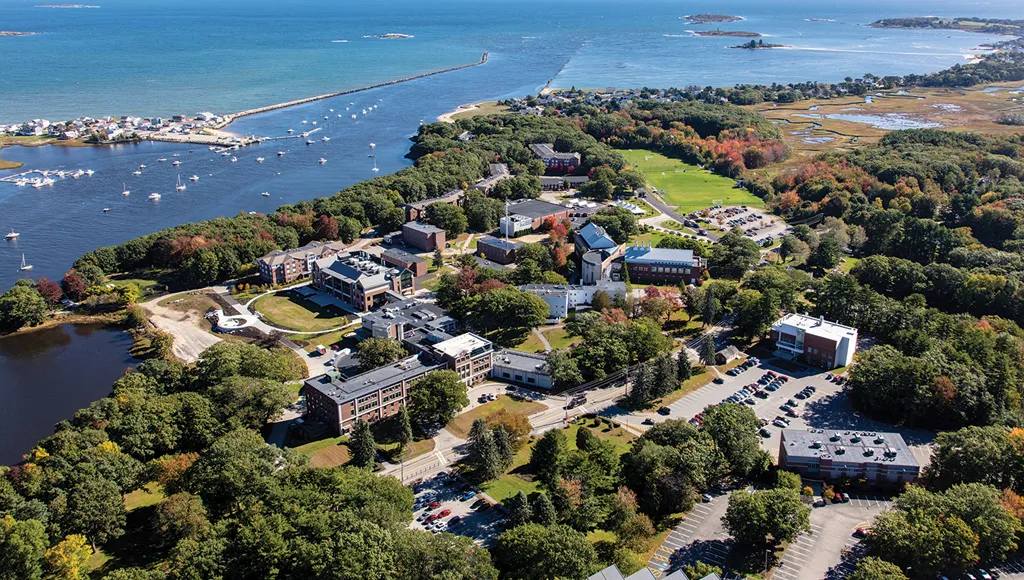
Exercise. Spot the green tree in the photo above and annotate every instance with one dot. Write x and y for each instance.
(363, 446)
(404, 436)
(22, 305)
(22, 547)
(435, 399)
(376, 352)
(449, 218)
(707, 351)
(548, 457)
(438, 258)
(484, 456)
(518, 509)
(793, 247)
(733, 255)
(974, 455)
(872, 568)
(734, 429)
(536, 552)
(601, 301)
(68, 560)
(565, 371)
(246, 402)
(755, 312)
(95, 507)
(543, 510)
(710, 306)
(180, 516)
(684, 368)
(202, 269)
(779, 514)
(699, 570)
(422, 556)
(827, 255)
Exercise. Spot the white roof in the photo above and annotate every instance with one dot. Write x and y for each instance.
(818, 327)
(463, 343)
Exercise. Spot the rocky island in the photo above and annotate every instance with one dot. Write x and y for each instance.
(16, 33)
(710, 18)
(738, 33)
(388, 35)
(758, 45)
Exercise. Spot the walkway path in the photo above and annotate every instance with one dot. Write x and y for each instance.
(543, 339)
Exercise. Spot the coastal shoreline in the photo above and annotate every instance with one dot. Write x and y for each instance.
(108, 319)
(449, 117)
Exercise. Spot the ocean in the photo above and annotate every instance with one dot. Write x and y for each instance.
(148, 58)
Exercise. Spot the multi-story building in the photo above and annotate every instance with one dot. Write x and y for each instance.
(815, 340)
(529, 215)
(417, 210)
(515, 225)
(423, 237)
(882, 458)
(662, 265)
(467, 354)
(496, 172)
(524, 368)
(286, 266)
(498, 250)
(554, 161)
(597, 250)
(360, 282)
(400, 319)
(561, 298)
(562, 182)
(339, 401)
(402, 259)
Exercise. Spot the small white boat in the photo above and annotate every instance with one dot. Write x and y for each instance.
(322, 161)
(162, 159)
(290, 131)
(136, 172)
(233, 159)
(364, 111)
(21, 182)
(175, 155)
(180, 186)
(280, 153)
(372, 145)
(332, 110)
(259, 160)
(142, 165)
(12, 235)
(212, 148)
(25, 265)
(375, 168)
(225, 154)
(304, 121)
(325, 138)
(106, 209)
(339, 115)
(78, 174)
(314, 122)
(89, 172)
(125, 190)
(176, 163)
(309, 141)
(154, 195)
(265, 194)
(325, 116)
(353, 115)
(194, 178)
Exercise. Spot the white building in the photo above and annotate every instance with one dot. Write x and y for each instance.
(524, 368)
(515, 225)
(561, 298)
(816, 340)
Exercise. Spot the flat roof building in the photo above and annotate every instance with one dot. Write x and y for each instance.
(833, 454)
(815, 340)
(403, 259)
(401, 318)
(423, 237)
(561, 298)
(496, 172)
(417, 210)
(524, 368)
(555, 161)
(529, 214)
(497, 249)
(662, 265)
(359, 281)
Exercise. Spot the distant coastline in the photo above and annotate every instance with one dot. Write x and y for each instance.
(1004, 26)
(711, 18)
(76, 6)
(16, 33)
(389, 35)
(736, 33)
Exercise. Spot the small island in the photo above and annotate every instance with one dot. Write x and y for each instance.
(758, 45)
(66, 6)
(388, 35)
(711, 18)
(16, 33)
(737, 33)
(982, 25)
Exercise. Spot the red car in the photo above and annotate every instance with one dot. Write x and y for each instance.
(444, 513)
(434, 505)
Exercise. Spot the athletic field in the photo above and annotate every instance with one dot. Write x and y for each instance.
(686, 186)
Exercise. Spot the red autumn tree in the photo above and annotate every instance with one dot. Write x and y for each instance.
(326, 228)
(74, 285)
(49, 290)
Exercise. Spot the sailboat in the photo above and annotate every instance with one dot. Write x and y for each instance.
(322, 160)
(125, 189)
(194, 178)
(259, 160)
(12, 235)
(180, 186)
(325, 138)
(25, 265)
(154, 196)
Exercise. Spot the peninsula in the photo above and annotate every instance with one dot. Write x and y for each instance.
(711, 18)
(736, 33)
(983, 25)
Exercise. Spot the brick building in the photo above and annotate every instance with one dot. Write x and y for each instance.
(402, 259)
(556, 163)
(815, 340)
(423, 237)
(359, 281)
(497, 249)
(417, 210)
(496, 172)
(286, 266)
(647, 265)
(528, 215)
(880, 458)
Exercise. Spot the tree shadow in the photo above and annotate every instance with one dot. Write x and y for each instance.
(708, 551)
(136, 547)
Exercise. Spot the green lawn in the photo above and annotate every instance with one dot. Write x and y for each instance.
(557, 338)
(686, 186)
(290, 311)
(150, 494)
(678, 227)
(460, 425)
(326, 339)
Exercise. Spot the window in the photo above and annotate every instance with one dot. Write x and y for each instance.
(531, 380)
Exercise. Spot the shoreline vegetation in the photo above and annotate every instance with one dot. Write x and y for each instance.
(711, 18)
(1004, 26)
(736, 33)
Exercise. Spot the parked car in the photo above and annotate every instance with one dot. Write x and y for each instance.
(792, 413)
(860, 533)
(706, 497)
(468, 495)
(454, 520)
(765, 433)
(664, 411)
(649, 421)
(718, 380)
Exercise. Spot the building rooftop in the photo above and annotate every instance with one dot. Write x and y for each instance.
(464, 343)
(612, 573)
(353, 269)
(535, 208)
(595, 238)
(498, 243)
(422, 227)
(318, 248)
(648, 255)
(414, 313)
(547, 150)
(342, 389)
(524, 361)
(818, 327)
(448, 197)
(847, 446)
(402, 256)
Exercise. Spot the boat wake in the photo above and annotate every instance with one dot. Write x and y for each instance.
(339, 41)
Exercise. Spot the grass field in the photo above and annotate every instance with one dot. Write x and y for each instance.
(487, 108)
(557, 338)
(289, 311)
(461, 424)
(686, 186)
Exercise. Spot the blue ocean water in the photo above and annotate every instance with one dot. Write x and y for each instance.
(145, 57)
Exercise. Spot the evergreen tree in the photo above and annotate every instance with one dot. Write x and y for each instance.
(483, 452)
(438, 258)
(404, 427)
(643, 386)
(707, 351)
(625, 279)
(548, 457)
(519, 510)
(684, 368)
(709, 308)
(364, 448)
(665, 376)
(543, 510)
(503, 445)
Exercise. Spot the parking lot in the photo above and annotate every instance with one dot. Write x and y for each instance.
(699, 537)
(445, 503)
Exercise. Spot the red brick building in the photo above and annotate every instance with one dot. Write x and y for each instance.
(286, 266)
(423, 237)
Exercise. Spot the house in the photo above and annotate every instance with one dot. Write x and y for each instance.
(557, 163)
(727, 355)
(496, 172)
(497, 249)
(360, 282)
(339, 401)
(646, 264)
(561, 298)
(423, 237)
(524, 368)
(286, 266)
(529, 215)
(815, 340)
(879, 458)
(402, 259)
(417, 211)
